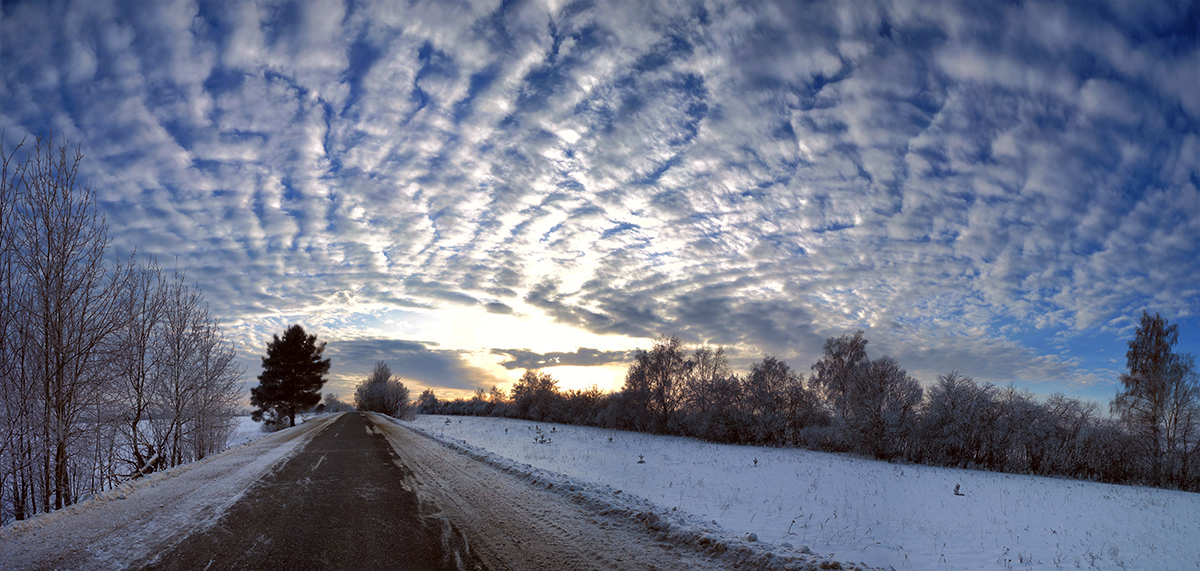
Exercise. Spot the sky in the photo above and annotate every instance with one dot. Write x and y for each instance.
(468, 189)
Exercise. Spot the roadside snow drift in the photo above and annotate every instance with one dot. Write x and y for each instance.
(854, 510)
(140, 518)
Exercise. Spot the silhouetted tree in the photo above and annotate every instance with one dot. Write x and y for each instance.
(844, 359)
(334, 404)
(292, 377)
(765, 392)
(709, 368)
(534, 395)
(1143, 402)
(881, 407)
(381, 393)
(656, 379)
(427, 403)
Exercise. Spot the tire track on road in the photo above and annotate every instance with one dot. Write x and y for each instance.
(344, 501)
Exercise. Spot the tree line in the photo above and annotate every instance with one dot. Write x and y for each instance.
(109, 369)
(873, 407)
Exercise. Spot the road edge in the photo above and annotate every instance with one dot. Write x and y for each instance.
(680, 528)
(131, 524)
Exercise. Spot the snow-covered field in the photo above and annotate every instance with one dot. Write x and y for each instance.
(903, 516)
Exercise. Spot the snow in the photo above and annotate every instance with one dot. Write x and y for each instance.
(247, 431)
(123, 526)
(850, 509)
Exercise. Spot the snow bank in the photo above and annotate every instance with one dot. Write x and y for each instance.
(136, 520)
(740, 551)
(247, 431)
(849, 509)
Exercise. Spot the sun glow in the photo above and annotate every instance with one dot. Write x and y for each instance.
(475, 333)
(473, 328)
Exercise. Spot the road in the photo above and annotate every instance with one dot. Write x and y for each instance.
(345, 501)
(364, 493)
(350, 491)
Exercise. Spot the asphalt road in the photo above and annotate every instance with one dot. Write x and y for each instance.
(345, 501)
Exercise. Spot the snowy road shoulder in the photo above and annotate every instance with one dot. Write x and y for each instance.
(579, 503)
(141, 517)
(850, 509)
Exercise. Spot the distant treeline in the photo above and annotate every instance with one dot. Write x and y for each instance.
(109, 369)
(872, 407)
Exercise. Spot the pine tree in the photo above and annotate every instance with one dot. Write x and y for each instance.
(292, 377)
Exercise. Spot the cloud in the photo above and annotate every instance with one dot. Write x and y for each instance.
(409, 360)
(582, 357)
(498, 308)
(761, 175)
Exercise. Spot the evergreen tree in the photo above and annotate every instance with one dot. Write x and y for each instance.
(292, 377)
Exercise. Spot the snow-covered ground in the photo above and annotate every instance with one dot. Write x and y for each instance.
(120, 527)
(903, 516)
(247, 431)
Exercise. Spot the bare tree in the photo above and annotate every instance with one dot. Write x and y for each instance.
(845, 358)
(1181, 419)
(16, 387)
(88, 349)
(496, 396)
(218, 396)
(668, 368)
(765, 393)
(68, 308)
(1147, 387)
(709, 367)
(881, 407)
(954, 422)
(178, 378)
(631, 409)
(133, 360)
(533, 395)
(1060, 436)
(383, 394)
(427, 403)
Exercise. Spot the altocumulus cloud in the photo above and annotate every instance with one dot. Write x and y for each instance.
(992, 187)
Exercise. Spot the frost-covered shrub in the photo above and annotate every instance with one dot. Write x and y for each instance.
(383, 394)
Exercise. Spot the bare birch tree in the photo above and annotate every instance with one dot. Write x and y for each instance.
(833, 377)
(178, 375)
(218, 395)
(1143, 404)
(15, 401)
(68, 308)
(133, 361)
(91, 351)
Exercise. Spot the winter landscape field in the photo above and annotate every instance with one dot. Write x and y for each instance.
(855, 510)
